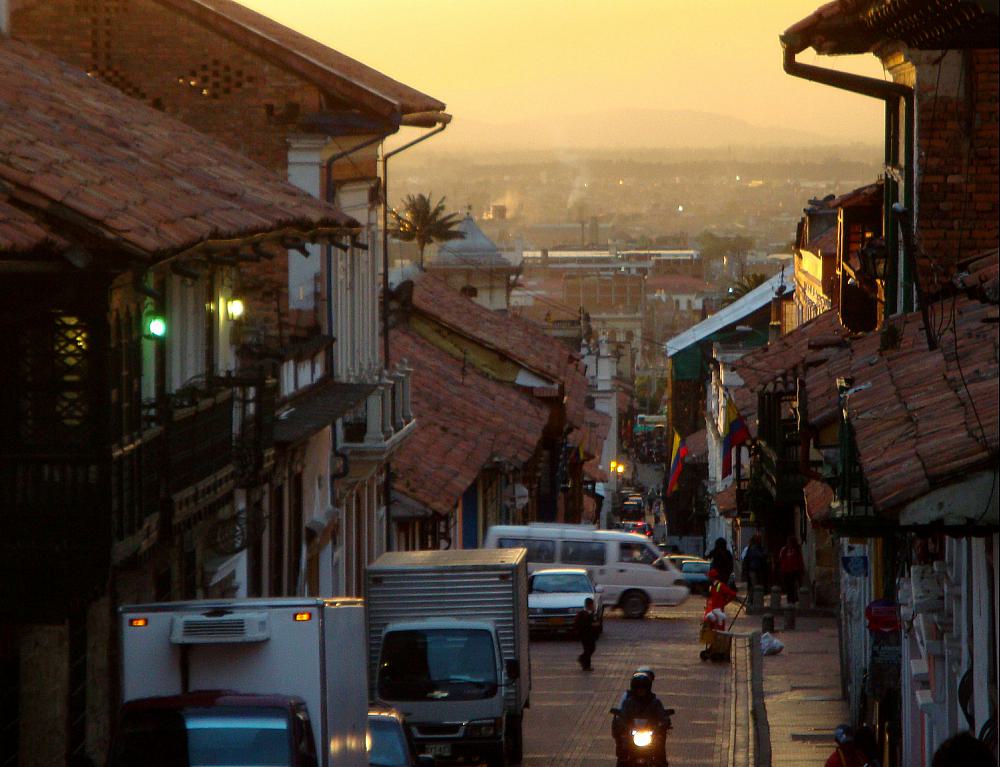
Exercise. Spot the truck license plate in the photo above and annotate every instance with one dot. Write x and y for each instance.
(556, 621)
(438, 749)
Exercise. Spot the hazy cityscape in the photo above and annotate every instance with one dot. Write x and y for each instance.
(480, 384)
(650, 197)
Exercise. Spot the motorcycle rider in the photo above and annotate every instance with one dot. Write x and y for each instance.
(640, 703)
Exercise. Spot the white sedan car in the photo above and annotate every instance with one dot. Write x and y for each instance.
(555, 596)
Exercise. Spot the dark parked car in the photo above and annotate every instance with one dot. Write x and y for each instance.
(389, 741)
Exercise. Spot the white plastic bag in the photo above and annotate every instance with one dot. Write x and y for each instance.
(769, 645)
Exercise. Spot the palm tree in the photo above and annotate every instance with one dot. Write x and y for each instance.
(424, 222)
(744, 285)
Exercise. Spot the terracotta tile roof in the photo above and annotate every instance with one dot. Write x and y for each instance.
(327, 68)
(516, 338)
(677, 283)
(856, 26)
(862, 197)
(818, 497)
(980, 275)
(916, 421)
(464, 419)
(811, 345)
(76, 152)
(22, 233)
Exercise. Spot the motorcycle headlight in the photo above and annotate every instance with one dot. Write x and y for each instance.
(484, 728)
(642, 738)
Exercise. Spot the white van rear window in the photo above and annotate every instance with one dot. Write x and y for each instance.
(538, 550)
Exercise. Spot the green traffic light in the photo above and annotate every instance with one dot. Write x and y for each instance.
(157, 327)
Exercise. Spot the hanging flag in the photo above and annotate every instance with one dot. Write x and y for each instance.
(677, 456)
(737, 434)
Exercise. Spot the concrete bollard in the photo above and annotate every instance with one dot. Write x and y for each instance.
(775, 599)
(789, 624)
(767, 624)
(757, 599)
(805, 597)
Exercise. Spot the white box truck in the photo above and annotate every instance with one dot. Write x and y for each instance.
(448, 647)
(243, 682)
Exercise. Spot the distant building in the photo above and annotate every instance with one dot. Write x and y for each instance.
(474, 266)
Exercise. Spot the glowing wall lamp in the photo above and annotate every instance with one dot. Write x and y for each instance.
(235, 309)
(156, 326)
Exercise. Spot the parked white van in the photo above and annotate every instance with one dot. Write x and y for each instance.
(629, 567)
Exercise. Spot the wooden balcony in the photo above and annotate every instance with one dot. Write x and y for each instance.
(200, 470)
(54, 531)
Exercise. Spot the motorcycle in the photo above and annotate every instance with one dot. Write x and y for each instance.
(641, 742)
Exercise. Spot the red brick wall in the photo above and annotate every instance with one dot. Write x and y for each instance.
(958, 161)
(155, 54)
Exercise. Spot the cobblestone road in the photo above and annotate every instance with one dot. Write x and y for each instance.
(569, 724)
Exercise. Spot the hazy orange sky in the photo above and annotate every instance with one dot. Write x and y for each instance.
(536, 62)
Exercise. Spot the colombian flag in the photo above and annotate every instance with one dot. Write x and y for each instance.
(677, 456)
(737, 434)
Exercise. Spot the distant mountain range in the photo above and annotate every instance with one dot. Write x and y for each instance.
(629, 129)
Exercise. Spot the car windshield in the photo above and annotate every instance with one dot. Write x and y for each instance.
(221, 736)
(387, 745)
(437, 664)
(561, 583)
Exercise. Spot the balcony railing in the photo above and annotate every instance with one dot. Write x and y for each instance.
(385, 417)
(54, 531)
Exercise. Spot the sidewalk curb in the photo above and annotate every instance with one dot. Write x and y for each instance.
(758, 710)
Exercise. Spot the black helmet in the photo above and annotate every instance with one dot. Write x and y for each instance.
(647, 671)
(640, 683)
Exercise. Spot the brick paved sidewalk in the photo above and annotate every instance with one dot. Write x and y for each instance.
(802, 691)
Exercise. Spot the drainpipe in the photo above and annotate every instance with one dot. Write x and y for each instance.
(422, 120)
(892, 94)
(441, 120)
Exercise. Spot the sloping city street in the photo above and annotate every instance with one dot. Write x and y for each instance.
(569, 722)
(350, 349)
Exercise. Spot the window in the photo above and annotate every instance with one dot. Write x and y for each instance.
(582, 553)
(538, 551)
(560, 583)
(636, 553)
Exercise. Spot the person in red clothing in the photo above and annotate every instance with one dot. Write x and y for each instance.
(791, 567)
(847, 753)
(719, 595)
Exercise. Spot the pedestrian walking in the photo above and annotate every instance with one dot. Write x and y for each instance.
(791, 567)
(847, 753)
(583, 625)
(755, 563)
(722, 560)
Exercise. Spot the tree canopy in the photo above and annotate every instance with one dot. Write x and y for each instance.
(422, 221)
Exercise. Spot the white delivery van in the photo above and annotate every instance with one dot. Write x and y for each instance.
(629, 567)
(244, 681)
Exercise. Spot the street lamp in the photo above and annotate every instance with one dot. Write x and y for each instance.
(235, 309)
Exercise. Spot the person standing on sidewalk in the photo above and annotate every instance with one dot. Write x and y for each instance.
(583, 625)
(847, 753)
(791, 567)
(755, 564)
(721, 560)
